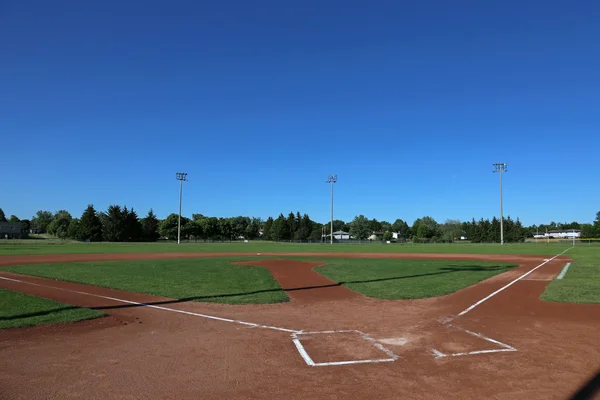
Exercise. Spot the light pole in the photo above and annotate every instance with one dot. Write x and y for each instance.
(331, 179)
(181, 176)
(500, 168)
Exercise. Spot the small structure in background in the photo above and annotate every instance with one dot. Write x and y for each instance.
(339, 235)
(10, 230)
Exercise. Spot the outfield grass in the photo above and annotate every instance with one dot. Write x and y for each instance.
(208, 280)
(581, 284)
(409, 279)
(19, 310)
(33, 246)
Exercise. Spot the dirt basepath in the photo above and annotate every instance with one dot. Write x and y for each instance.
(186, 350)
(302, 283)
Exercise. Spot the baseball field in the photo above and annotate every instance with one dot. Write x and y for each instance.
(251, 320)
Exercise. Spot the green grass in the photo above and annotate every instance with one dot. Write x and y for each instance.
(207, 280)
(409, 279)
(581, 284)
(19, 310)
(50, 246)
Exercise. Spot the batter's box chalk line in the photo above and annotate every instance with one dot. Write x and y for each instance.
(296, 338)
(503, 347)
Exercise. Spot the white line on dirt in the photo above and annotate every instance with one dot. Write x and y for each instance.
(511, 283)
(505, 347)
(564, 271)
(250, 324)
(309, 361)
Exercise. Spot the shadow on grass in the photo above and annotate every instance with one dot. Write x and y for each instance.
(39, 313)
(446, 270)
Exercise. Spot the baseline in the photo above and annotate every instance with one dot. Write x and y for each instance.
(250, 324)
(510, 284)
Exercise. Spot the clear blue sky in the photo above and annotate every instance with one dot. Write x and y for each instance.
(408, 102)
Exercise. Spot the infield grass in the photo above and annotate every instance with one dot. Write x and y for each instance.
(18, 310)
(409, 279)
(208, 280)
(581, 284)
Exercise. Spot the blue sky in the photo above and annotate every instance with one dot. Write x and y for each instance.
(409, 103)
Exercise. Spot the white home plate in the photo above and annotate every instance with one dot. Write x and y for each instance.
(394, 341)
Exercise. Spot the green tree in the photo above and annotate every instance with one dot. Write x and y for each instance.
(25, 227)
(74, 230)
(14, 219)
(2, 216)
(62, 220)
(279, 229)
(388, 236)
(425, 228)
(402, 229)
(253, 229)
(361, 227)
(225, 228)
(113, 224)
(451, 230)
(133, 227)
(588, 231)
(291, 223)
(150, 226)
(42, 219)
(90, 227)
(597, 221)
(375, 225)
(210, 228)
(168, 227)
(267, 229)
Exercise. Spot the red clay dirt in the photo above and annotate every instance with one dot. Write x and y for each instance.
(302, 283)
(144, 353)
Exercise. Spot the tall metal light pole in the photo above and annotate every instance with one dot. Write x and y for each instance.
(500, 168)
(331, 179)
(181, 176)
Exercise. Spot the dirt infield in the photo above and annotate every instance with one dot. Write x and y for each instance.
(512, 345)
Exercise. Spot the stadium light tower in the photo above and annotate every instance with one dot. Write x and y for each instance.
(331, 179)
(500, 168)
(181, 176)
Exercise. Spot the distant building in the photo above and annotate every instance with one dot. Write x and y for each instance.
(559, 234)
(339, 235)
(10, 230)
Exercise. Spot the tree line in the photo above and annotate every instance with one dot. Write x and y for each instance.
(122, 224)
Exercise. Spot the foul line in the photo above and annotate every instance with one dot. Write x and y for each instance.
(511, 283)
(564, 271)
(253, 325)
(504, 347)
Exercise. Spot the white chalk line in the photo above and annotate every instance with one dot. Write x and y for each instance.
(504, 347)
(510, 284)
(564, 271)
(309, 361)
(250, 324)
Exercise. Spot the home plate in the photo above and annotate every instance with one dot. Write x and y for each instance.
(394, 341)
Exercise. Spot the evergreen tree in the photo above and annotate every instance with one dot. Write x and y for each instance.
(90, 227)
(267, 229)
(2, 216)
(14, 219)
(113, 228)
(150, 227)
(133, 227)
(291, 224)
